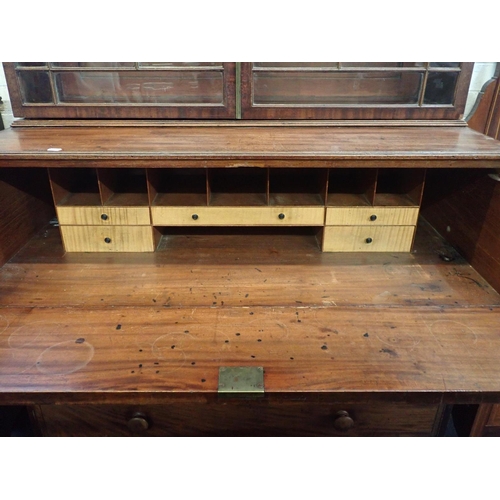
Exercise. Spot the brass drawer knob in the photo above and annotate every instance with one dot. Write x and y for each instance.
(368, 240)
(138, 423)
(343, 422)
(104, 217)
(107, 240)
(281, 216)
(373, 217)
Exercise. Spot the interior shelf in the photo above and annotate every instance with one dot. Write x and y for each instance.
(351, 187)
(237, 187)
(178, 187)
(122, 187)
(297, 187)
(75, 187)
(399, 187)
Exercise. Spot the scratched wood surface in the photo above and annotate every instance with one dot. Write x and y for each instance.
(92, 328)
(128, 145)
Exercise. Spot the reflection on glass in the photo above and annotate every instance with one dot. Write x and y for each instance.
(444, 65)
(295, 88)
(93, 64)
(382, 65)
(35, 86)
(204, 87)
(178, 64)
(295, 64)
(440, 88)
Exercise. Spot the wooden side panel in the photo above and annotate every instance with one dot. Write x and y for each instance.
(465, 205)
(25, 207)
(240, 418)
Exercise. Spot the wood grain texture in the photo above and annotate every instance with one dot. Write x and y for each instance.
(368, 238)
(238, 216)
(121, 238)
(351, 216)
(379, 327)
(88, 216)
(233, 418)
(124, 146)
(157, 354)
(230, 268)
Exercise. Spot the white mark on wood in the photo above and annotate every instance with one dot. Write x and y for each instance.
(4, 324)
(65, 358)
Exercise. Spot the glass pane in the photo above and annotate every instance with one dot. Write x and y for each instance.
(295, 64)
(337, 88)
(382, 64)
(30, 64)
(93, 64)
(35, 86)
(178, 64)
(440, 88)
(204, 87)
(444, 65)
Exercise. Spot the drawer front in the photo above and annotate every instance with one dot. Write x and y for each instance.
(104, 216)
(368, 239)
(238, 216)
(107, 239)
(244, 418)
(371, 216)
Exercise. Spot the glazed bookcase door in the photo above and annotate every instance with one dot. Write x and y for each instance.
(141, 90)
(369, 91)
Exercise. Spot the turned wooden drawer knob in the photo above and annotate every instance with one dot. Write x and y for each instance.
(343, 422)
(194, 216)
(107, 240)
(281, 216)
(373, 217)
(368, 240)
(104, 216)
(138, 423)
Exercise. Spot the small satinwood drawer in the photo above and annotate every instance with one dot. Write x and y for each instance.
(368, 239)
(372, 216)
(104, 216)
(238, 216)
(107, 239)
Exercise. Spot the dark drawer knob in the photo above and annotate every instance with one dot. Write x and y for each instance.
(138, 423)
(107, 240)
(343, 422)
(373, 217)
(104, 217)
(281, 216)
(368, 240)
(194, 216)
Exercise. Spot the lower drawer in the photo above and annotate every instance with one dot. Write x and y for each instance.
(368, 238)
(238, 216)
(243, 418)
(107, 239)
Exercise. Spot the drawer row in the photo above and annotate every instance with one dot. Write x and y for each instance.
(141, 238)
(237, 216)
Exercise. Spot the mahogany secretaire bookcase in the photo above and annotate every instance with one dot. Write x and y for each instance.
(247, 249)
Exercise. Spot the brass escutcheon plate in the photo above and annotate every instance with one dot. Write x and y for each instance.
(241, 381)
